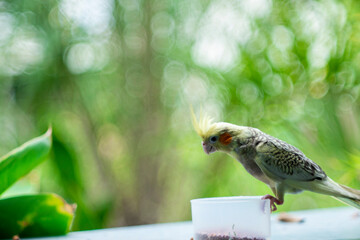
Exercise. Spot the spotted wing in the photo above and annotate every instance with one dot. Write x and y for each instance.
(284, 161)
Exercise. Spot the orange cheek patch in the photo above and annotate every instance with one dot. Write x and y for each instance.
(225, 138)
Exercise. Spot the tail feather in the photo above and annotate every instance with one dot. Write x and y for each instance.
(342, 193)
(332, 188)
(353, 191)
(352, 202)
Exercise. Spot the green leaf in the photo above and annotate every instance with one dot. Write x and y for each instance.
(68, 168)
(35, 216)
(70, 180)
(23, 159)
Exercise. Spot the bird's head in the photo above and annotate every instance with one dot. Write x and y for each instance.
(216, 136)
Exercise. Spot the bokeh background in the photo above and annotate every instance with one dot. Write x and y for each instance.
(114, 78)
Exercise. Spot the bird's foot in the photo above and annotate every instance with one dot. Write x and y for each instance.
(273, 200)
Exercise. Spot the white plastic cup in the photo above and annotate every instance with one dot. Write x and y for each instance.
(231, 218)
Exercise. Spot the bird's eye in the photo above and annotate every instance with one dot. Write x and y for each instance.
(213, 139)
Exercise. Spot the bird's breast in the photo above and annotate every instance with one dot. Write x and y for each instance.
(246, 156)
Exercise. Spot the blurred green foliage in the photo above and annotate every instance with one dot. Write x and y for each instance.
(31, 215)
(115, 79)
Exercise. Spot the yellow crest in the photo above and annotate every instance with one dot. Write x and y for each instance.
(205, 126)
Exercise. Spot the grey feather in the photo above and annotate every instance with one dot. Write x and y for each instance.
(283, 160)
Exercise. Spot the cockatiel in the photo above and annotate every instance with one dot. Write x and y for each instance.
(283, 167)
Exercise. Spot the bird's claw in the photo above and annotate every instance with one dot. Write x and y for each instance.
(273, 200)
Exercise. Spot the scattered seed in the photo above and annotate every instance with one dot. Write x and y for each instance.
(285, 217)
(213, 236)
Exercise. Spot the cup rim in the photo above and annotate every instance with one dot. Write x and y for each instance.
(215, 200)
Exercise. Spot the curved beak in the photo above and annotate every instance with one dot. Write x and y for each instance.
(208, 148)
